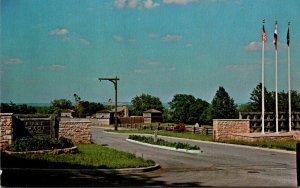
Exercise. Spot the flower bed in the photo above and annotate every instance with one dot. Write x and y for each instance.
(150, 140)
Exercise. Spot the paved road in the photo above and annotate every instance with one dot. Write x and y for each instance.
(217, 165)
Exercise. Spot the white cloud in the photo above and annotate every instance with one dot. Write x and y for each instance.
(170, 38)
(255, 46)
(120, 3)
(138, 71)
(180, 2)
(133, 3)
(14, 61)
(57, 67)
(117, 37)
(150, 4)
(59, 32)
(189, 45)
(84, 41)
(242, 67)
(153, 35)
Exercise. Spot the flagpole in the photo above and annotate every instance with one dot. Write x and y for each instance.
(263, 84)
(289, 82)
(276, 75)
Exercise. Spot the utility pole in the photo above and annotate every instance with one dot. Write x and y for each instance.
(115, 82)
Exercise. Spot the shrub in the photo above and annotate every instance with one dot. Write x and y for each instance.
(180, 128)
(150, 140)
(39, 143)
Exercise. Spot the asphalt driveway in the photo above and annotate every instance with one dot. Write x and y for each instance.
(217, 165)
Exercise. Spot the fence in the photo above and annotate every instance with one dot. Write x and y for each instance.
(131, 120)
(270, 121)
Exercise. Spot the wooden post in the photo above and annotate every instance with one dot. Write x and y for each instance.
(298, 163)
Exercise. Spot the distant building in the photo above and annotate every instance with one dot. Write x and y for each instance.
(152, 116)
(106, 117)
(68, 113)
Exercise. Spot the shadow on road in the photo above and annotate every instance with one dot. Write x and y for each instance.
(53, 178)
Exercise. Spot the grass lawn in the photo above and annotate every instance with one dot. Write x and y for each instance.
(274, 144)
(89, 156)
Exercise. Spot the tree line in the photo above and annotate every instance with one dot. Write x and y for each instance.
(184, 108)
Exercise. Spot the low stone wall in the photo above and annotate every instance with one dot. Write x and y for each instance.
(79, 131)
(225, 129)
(6, 137)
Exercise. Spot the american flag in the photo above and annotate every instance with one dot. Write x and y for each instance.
(264, 35)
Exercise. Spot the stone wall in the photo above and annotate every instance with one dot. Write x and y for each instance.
(6, 130)
(227, 128)
(79, 131)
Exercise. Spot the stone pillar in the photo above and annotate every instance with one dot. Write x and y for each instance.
(227, 128)
(6, 130)
(79, 131)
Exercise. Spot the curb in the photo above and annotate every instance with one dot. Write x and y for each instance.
(121, 170)
(165, 147)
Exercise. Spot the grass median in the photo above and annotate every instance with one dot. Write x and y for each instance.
(289, 145)
(187, 135)
(89, 156)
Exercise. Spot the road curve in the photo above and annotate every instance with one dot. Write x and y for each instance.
(217, 165)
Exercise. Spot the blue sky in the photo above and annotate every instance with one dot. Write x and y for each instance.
(53, 49)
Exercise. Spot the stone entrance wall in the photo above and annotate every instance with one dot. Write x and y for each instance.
(79, 131)
(6, 137)
(226, 129)
(16, 126)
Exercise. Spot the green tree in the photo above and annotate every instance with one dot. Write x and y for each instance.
(145, 102)
(187, 109)
(256, 99)
(86, 108)
(58, 105)
(222, 106)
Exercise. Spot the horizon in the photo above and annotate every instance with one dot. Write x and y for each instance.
(53, 49)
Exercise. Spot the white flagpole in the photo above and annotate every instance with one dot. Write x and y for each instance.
(263, 85)
(276, 77)
(289, 84)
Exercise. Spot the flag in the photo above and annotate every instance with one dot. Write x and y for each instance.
(288, 37)
(264, 35)
(275, 36)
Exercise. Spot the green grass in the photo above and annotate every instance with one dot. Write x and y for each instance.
(89, 156)
(187, 135)
(274, 144)
(161, 142)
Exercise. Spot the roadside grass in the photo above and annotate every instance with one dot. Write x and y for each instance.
(289, 145)
(161, 142)
(89, 156)
(187, 135)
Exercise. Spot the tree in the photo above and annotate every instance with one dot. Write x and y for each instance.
(86, 108)
(145, 102)
(222, 106)
(187, 109)
(17, 109)
(58, 105)
(256, 99)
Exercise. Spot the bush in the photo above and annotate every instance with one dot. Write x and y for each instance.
(39, 143)
(180, 128)
(150, 140)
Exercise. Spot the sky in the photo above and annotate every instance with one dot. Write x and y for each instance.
(53, 49)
